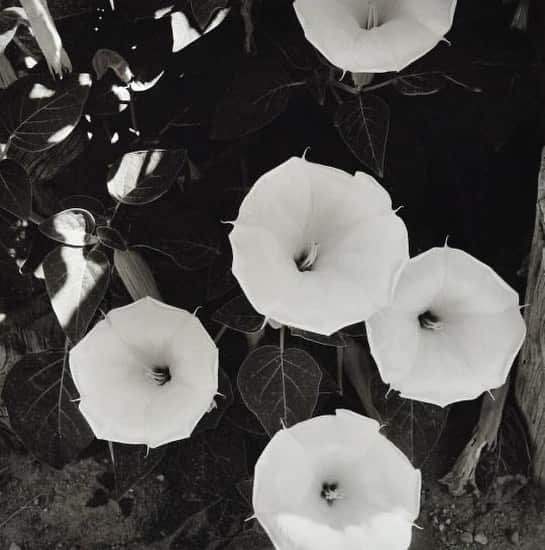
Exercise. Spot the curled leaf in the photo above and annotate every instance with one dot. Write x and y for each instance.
(73, 227)
(105, 59)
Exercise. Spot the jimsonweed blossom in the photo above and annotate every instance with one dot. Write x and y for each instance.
(335, 483)
(317, 248)
(146, 374)
(374, 36)
(451, 332)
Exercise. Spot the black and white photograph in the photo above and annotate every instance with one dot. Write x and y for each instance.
(272, 275)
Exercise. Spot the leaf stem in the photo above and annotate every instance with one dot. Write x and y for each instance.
(282, 338)
(340, 370)
(219, 334)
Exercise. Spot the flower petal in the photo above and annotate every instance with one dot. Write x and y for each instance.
(359, 241)
(406, 31)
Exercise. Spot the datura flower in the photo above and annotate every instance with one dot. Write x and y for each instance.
(451, 332)
(374, 36)
(316, 248)
(146, 374)
(335, 483)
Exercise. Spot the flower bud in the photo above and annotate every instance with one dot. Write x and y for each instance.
(135, 274)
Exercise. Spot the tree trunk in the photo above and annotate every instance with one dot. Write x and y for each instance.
(530, 381)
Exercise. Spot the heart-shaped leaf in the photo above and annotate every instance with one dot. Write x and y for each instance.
(76, 282)
(41, 399)
(15, 189)
(73, 227)
(279, 387)
(238, 314)
(203, 10)
(256, 97)
(364, 123)
(140, 177)
(420, 83)
(37, 113)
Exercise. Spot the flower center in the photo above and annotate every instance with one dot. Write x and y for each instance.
(372, 16)
(159, 375)
(307, 259)
(430, 321)
(330, 492)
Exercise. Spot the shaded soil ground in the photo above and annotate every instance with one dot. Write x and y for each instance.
(46, 509)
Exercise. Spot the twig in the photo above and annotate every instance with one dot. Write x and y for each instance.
(485, 435)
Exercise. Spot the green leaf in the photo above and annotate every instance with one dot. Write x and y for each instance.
(203, 10)
(38, 112)
(73, 227)
(140, 177)
(256, 98)
(279, 387)
(76, 282)
(238, 314)
(15, 189)
(42, 404)
(364, 123)
(420, 84)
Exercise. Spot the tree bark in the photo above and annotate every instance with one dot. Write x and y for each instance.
(530, 381)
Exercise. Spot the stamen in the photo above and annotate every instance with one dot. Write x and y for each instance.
(306, 263)
(429, 321)
(159, 375)
(372, 16)
(330, 493)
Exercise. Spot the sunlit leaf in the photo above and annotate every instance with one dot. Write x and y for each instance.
(203, 10)
(15, 189)
(279, 387)
(76, 282)
(37, 112)
(364, 123)
(253, 101)
(140, 177)
(73, 227)
(238, 314)
(420, 84)
(42, 403)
